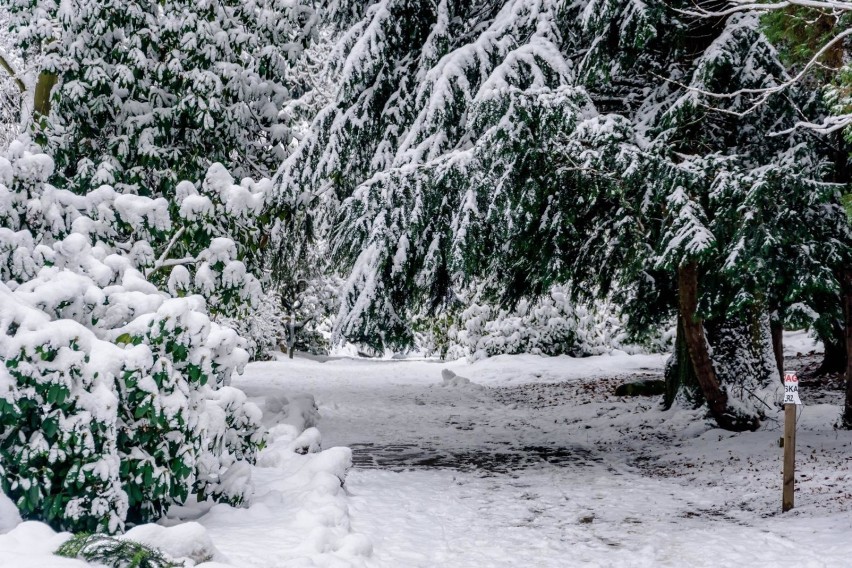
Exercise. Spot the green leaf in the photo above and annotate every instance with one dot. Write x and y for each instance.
(124, 338)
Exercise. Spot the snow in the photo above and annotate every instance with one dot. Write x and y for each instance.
(31, 545)
(9, 516)
(800, 342)
(452, 380)
(718, 505)
(511, 461)
(186, 540)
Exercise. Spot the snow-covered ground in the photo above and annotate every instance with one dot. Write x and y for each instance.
(541, 465)
(522, 461)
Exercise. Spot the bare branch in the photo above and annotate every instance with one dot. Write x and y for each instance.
(765, 92)
(749, 6)
(11, 71)
(834, 7)
(827, 126)
(162, 262)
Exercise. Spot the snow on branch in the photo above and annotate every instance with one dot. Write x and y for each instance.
(762, 94)
(738, 6)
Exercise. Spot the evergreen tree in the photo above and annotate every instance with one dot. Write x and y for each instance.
(466, 152)
(813, 37)
(732, 219)
(422, 101)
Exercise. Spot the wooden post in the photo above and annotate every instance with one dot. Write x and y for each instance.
(789, 457)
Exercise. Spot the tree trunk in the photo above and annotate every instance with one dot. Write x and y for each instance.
(846, 290)
(834, 342)
(41, 96)
(777, 329)
(291, 335)
(699, 354)
(679, 374)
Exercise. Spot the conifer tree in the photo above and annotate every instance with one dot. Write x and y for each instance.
(421, 100)
(506, 146)
(811, 40)
(742, 202)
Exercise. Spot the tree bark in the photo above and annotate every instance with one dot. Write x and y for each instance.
(41, 96)
(291, 335)
(11, 71)
(834, 342)
(699, 354)
(680, 376)
(846, 288)
(777, 329)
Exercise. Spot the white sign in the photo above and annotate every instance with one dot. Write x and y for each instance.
(791, 389)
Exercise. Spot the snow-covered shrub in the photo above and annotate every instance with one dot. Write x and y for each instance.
(145, 94)
(554, 325)
(58, 420)
(265, 326)
(168, 431)
(205, 257)
(318, 305)
(232, 427)
(261, 327)
(131, 375)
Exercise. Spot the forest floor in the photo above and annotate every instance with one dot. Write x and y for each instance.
(533, 461)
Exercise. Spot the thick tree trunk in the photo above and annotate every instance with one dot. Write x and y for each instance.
(680, 376)
(846, 283)
(41, 96)
(777, 329)
(834, 359)
(699, 354)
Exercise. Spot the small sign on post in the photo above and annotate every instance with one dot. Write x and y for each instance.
(791, 400)
(791, 389)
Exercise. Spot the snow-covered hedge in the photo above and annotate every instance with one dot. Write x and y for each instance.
(113, 392)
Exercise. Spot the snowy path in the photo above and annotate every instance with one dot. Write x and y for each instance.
(543, 470)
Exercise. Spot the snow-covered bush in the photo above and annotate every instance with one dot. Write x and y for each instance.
(553, 325)
(58, 420)
(231, 425)
(141, 95)
(265, 326)
(318, 305)
(214, 237)
(261, 327)
(114, 393)
(12, 86)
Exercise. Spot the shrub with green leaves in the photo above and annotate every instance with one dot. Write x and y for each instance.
(115, 393)
(58, 448)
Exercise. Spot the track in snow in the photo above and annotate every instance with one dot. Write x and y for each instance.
(507, 459)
